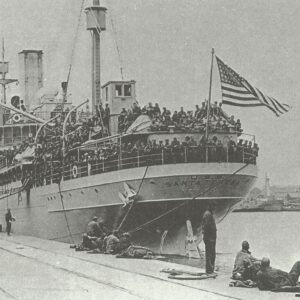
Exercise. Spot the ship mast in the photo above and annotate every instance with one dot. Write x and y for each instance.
(3, 76)
(209, 95)
(3, 72)
(95, 23)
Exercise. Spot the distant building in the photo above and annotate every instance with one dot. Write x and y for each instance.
(293, 197)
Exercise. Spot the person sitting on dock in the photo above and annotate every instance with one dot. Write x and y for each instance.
(111, 242)
(269, 279)
(245, 266)
(124, 243)
(88, 243)
(93, 228)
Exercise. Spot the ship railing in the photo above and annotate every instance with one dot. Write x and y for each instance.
(92, 167)
(169, 156)
(54, 172)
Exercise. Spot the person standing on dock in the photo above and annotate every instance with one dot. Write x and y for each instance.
(8, 218)
(209, 230)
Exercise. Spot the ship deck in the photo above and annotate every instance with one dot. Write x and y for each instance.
(44, 269)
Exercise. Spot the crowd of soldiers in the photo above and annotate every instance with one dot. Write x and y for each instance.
(51, 149)
(8, 156)
(50, 141)
(112, 156)
(138, 154)
(97, 125)
(190, 121)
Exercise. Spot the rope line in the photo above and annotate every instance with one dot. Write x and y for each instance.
(13, 192)
(65, 214)
(117, 47)
(134, 200)
(75, 41)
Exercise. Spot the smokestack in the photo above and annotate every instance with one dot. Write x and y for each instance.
(31, 76)
(95, 23)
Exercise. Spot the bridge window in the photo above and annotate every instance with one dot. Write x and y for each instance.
(118, 90)
(127, 90)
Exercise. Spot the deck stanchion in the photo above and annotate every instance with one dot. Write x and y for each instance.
(227, 153)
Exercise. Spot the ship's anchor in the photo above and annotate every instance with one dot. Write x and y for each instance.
(162, 241)
(191, 246)
(128, 196)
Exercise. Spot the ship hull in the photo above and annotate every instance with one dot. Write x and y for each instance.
(168, 196)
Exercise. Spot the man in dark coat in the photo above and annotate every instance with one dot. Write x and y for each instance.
(8, 218)
(269, 278)
(93, 228)
(209, 230)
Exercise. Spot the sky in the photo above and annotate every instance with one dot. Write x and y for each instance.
(165, 45)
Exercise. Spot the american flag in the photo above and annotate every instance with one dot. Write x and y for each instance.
(239, 92)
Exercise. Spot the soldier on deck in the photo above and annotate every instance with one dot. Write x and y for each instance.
(209, 230)
(197, 111)
(202, 112)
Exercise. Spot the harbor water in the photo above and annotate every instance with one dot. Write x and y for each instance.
(270, 234)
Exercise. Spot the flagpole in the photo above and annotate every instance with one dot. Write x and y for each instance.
(209, 96)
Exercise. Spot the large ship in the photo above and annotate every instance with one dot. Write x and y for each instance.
(139, 170)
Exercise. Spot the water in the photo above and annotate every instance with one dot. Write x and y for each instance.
(270, 234)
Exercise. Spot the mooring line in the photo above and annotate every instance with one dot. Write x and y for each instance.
(65, 214)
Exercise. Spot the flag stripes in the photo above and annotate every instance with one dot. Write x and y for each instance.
(237, 91)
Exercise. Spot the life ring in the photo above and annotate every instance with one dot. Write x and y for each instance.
(74, 171)
(16, 118)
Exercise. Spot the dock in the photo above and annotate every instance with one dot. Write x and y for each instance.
(33, 268)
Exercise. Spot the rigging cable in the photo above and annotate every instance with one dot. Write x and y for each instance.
(134, 200)
(65, 214)
(115, 40)
(75, 42)
(117, 47)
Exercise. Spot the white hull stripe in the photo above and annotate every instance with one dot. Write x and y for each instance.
(143, 201)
